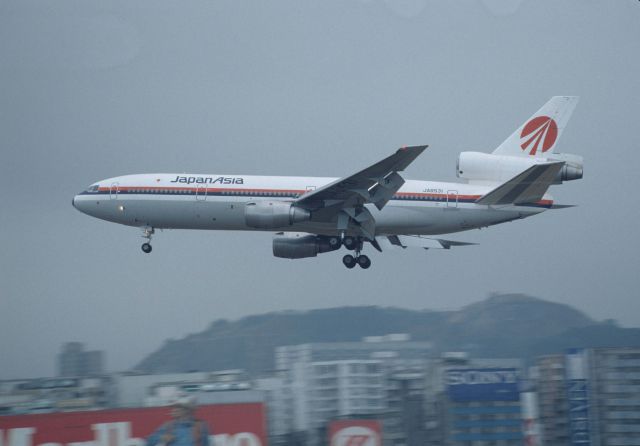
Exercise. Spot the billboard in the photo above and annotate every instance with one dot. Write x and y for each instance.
(229, 425)
(355, 433)
(489, 384)
(576, 372)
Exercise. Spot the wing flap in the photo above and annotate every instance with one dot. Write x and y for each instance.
(416, 241)
(526, 187)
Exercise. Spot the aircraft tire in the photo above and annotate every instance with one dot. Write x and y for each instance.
(350, 243)
(146, 248)
(349, 261)
(364, 262)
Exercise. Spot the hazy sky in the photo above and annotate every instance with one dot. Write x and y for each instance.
(91, 90)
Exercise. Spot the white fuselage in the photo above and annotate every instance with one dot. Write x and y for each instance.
(188, 201)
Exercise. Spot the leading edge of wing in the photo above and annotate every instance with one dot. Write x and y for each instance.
(357, 188)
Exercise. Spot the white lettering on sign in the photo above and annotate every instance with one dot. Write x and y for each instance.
(355, 436)
(118, 434)
(473, 377)
(17, 437)
(240, 439)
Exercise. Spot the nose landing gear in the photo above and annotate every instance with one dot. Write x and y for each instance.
(147, 232)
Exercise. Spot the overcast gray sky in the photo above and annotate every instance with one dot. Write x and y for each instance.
(91, 90)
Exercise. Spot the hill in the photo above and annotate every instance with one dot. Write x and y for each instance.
(508, 325)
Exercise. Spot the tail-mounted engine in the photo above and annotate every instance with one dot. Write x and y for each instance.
(299, 246)
(478, 166)
(274, 214)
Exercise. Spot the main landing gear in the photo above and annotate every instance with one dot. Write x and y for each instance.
(147, 233)
(351, 261)
(355, 244)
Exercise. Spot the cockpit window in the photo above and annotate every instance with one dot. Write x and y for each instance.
(93, 188)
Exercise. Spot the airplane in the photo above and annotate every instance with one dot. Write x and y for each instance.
(314, 215)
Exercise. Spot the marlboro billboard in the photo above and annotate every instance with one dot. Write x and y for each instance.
(355, 433)
(229, 425)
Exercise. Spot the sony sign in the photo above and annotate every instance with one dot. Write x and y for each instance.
(116, 434)
(478, 377)
(488, 384)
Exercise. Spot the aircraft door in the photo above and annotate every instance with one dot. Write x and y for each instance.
(452, 199)
(201, 192)
(113, 191)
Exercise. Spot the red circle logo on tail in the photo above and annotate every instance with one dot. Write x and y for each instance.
(539, 133)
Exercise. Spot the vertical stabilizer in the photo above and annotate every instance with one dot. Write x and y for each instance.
(540, 134)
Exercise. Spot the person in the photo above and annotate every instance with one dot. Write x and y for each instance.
(183, 429)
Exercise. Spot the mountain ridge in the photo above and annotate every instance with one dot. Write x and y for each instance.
(502, 325)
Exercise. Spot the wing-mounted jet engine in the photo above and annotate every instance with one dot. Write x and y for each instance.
(300, 245)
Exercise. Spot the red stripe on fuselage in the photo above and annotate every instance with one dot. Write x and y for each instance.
(292, 191)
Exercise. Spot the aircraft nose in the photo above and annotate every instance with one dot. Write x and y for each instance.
(78, 204)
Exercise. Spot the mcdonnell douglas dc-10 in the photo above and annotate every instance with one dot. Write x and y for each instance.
(313, 215)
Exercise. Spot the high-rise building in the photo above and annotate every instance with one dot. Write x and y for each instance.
(553, 406)
(327, 381)
(473, 402)
(590, 397)
(616, 394)
(403, 421)
(393, 349)
(332, 389)
(74, 361)
(279, 400)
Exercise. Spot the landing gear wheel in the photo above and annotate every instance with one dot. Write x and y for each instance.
(146, 247)
(364, 262)
(350, 243)
(349, 261)
(335, 242)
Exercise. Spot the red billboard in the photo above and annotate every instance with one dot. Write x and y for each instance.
(355, 433)
(229, 425)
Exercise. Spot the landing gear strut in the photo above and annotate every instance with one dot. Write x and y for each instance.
(147, 232)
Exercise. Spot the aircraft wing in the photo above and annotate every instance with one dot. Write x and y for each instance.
(375, 184)
(417, 241)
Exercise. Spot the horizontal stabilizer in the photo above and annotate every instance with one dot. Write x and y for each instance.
(416, 241)
(563, 206)
(526, 187)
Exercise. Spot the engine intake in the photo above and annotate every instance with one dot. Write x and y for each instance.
(274, 214)
(299, 246)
